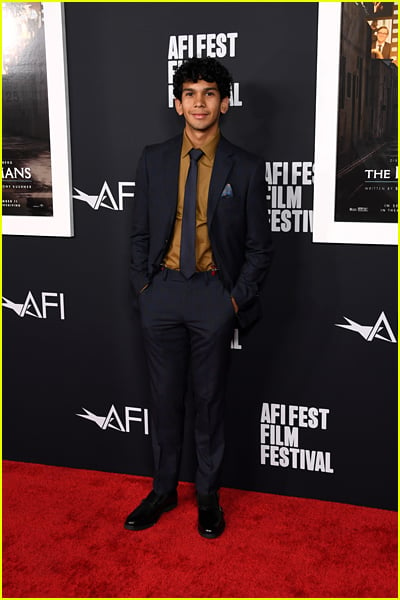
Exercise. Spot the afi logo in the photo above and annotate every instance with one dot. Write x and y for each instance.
(381, 330)
(114, 421)
(38, 309)
(105, 197)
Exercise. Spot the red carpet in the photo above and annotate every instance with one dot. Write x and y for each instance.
(64, 537)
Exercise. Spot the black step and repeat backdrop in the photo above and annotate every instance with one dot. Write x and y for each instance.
(312, 403)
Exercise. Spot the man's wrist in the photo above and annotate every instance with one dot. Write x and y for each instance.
(146, 285)
(235, 306)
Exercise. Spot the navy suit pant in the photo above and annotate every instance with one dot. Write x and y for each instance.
(188, 326)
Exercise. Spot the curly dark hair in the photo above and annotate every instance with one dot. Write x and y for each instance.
(208, 69)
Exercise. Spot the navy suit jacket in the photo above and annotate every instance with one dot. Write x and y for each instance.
(237, 218)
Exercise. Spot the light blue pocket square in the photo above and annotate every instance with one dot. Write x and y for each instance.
(227, 192)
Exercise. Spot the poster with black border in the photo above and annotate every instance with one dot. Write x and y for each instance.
(355, 173)
(36, 162)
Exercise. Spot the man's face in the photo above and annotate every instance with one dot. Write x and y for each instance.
(382, 35)
(201, 105)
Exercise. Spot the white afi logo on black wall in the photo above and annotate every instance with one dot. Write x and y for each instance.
(105, 198)
(49, 303)
(381, 330)
(113, 420)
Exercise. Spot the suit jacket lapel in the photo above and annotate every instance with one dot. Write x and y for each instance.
(222, 167)
(170, 167)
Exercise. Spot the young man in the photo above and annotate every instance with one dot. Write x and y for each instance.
(200, 250)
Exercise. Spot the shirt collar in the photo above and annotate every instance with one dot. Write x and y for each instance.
(209, 149)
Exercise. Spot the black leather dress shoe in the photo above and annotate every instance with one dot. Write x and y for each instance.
(211, 516)
(150, 510)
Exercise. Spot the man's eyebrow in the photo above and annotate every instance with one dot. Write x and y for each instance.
(206, 89)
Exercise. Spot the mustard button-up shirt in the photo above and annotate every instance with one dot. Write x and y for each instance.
(204, 258)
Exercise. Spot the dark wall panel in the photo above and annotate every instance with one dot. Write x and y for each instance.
(322, 395)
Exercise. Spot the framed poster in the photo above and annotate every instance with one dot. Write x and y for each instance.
(36, 164)
(355, 179)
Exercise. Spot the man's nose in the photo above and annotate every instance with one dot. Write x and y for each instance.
(199, 100)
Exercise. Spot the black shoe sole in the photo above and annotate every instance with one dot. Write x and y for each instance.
(141, 527)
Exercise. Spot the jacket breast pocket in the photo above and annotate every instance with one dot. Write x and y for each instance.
(230, 208)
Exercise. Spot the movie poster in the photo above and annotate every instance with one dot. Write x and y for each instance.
(26, 165)
(35, 156)
(355, 192)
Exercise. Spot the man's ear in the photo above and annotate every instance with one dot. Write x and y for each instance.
(224, 105)
(178, 106)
